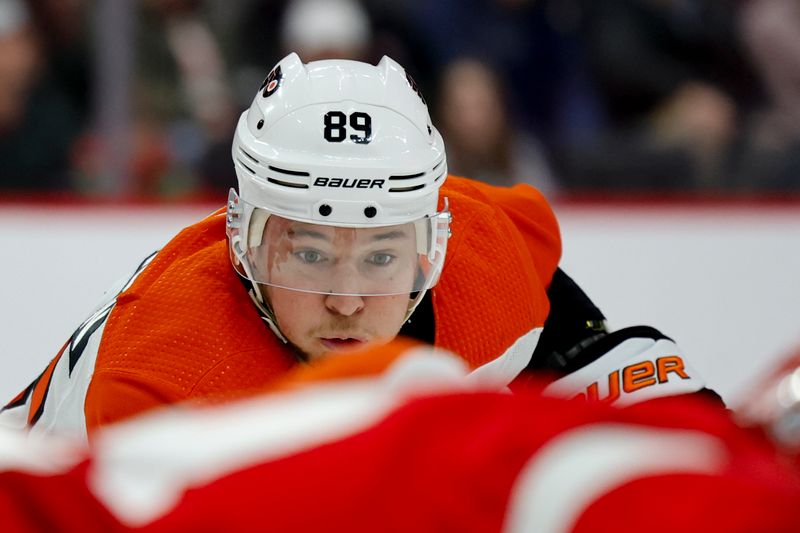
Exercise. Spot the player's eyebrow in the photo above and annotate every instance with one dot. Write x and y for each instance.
(299, 232)
(307, 232)
(394, 234)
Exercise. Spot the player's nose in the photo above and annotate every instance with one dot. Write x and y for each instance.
(344, 305)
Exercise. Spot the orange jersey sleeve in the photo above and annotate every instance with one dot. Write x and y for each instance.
(504, 249)
(119, 395)
(186, 330)
(534, 218)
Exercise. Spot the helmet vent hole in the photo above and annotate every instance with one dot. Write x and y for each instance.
(248, 156)
(407, 189)
(288, 184)
(260, 124)
(407, 176)
(325, 210)
(288, 172)
(250, 170)
(370, 212)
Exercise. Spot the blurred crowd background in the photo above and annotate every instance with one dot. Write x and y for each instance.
(138, 99)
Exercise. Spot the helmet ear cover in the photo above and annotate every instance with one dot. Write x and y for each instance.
(255, 233)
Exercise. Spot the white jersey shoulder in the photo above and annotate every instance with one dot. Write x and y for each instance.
(62, 410)
(636, 369)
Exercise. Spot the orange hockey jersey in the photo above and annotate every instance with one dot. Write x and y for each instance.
(183, 327)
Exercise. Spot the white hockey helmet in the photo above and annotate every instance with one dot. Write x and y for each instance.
(339, 170)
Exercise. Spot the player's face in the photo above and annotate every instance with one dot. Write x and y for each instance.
(341, 270)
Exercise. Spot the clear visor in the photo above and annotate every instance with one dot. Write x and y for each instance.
(318, 258)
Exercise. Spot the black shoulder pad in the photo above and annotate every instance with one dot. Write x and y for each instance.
(588, 352)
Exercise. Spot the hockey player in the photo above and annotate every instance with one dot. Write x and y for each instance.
(345, 232)
(408, 442)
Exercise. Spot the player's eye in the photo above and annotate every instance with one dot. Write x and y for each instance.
(380, 259)
(309, 257)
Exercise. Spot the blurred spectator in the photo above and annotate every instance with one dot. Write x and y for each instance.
(528, 43)
(258, 45)
(64, 32)
(315, 29)
(612, 94)
(182, 96)
(182, 110)
(482, 142)
(771, 29)
(326, 29)
(38, 121)
(675, 83)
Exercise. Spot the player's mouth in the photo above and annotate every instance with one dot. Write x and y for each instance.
(340, 344)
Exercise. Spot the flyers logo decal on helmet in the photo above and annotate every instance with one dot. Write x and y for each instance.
(272, 82)
(415, 88)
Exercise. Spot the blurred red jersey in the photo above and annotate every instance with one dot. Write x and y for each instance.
(373, 453)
